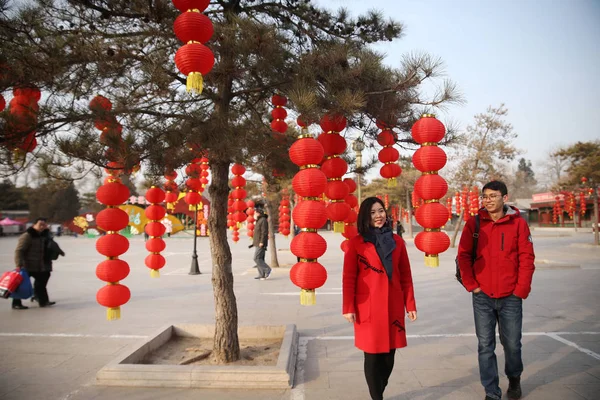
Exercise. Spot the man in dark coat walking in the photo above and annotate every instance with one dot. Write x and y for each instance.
(34, 253)
(260, 241)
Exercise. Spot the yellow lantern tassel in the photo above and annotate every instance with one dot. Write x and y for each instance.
(432, 260)
(392, 182)
(308, 297)
(195, 82)
(113, 313)
(338, 226)
(170, 206)
(154, 273)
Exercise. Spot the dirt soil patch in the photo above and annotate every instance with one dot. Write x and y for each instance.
(181, 350)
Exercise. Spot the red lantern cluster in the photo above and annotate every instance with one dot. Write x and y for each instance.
(388, 156)
(112, 245)
(582, 204)
(193, 184)
(155, 229)
(194, 29)
(449, 207)
(556, 210)
(309, 214)
(474, 200)
(464, 197)
(350, 229)
(279, 114)
(334, 167)
(431, 187)
(570, 205)
(171, 190)
(22, 120)
(204, 167)
(284, 215)
(238, 195)
(458, 203)
(250, 219)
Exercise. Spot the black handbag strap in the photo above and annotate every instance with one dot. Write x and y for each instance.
(475, 237)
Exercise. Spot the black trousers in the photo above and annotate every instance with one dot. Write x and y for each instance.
(39, 287)
(378, 368)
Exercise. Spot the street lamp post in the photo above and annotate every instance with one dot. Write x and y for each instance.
(358, 146)
(194, 269)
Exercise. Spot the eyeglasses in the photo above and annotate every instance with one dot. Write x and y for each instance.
(490, 197)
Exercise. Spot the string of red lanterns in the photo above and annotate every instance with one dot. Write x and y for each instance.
(250, 220)
(194, 29)
(155, 244)
(449, 207)
(171, 190)
(431, 187)
(112, 270)
(334, 167)
(309, 214)
(388, 156)
(22, 120)
(350, 229)
(284, 215)
(238, 195)
(279, 114)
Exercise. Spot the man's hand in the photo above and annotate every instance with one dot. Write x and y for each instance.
(412, 315)
(350, 317)
(477, 290)
(260, 245)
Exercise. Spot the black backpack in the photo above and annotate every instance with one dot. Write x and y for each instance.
(474, 255)
(53, 249)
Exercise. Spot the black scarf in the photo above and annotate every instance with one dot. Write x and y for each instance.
(384, 242)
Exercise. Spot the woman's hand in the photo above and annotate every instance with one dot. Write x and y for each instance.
(412, 315)
(350, 317)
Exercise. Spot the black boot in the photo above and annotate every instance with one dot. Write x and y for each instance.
(514, 388)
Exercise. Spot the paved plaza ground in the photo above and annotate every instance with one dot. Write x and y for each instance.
(54, 353)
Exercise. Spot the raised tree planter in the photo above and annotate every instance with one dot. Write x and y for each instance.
(127, 369)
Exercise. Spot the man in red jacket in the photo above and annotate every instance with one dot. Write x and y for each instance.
(499, 277)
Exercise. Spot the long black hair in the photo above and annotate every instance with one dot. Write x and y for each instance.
(363, 222)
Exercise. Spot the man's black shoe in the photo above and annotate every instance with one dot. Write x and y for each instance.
(19, 307)
(514, 388)
(48, 304)
(489, 398)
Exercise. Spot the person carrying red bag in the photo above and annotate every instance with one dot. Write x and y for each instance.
(31, 254)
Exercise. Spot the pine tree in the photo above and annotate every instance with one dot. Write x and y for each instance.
(123, 50)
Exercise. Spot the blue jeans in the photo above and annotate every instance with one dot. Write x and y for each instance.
(508, 312)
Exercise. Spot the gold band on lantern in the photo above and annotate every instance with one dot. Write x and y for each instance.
(333, 179)
(311, 198)
(432, 230)
(428, 116)
(431, 201)
(337, 201)
(312, 230)
(332, 156)
(305, 136)
(309, 166)
(308, 260)
(429, 144)
(430, 173)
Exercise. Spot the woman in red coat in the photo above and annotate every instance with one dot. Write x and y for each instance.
(377, 289)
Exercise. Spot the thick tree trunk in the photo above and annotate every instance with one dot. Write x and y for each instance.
(272, 218)
(226, 347)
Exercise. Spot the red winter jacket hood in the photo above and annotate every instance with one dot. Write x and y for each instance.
(504, 262)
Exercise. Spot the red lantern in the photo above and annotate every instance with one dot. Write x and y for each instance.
(113, 296)
(2, 103)
(112, 270)
(428, 130)
(194, 60)
(306, 151)
(112, 245)
(193, 27)
(112, 219)
(237, 196)
(155, 244)
(100, 104)
(155, 229)
(154, 262)
(429, 158)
